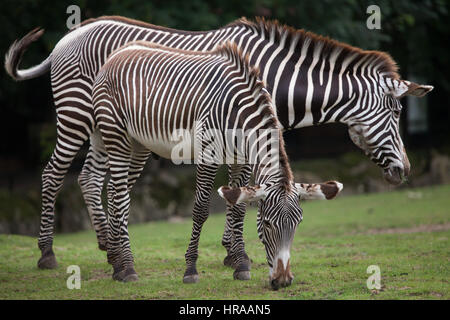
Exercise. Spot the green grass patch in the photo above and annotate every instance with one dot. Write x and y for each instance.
(406, 233)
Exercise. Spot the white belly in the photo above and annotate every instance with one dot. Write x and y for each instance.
(179, 147)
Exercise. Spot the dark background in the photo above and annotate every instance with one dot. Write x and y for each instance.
(415, 33)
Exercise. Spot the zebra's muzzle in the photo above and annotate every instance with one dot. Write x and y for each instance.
(394, 175)
(282, 277)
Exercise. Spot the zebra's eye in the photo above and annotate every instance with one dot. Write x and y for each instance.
(267, 224)
(396, 113)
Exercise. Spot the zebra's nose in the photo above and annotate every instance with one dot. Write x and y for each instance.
(283, 276)
(406, 164)
(406, 170)
(275, 284)
(283, 281)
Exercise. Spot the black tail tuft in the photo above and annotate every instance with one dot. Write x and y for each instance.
(15, 53)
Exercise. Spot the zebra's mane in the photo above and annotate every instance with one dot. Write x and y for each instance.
(382, 60)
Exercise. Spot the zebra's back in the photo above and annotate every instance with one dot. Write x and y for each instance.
(151, 91)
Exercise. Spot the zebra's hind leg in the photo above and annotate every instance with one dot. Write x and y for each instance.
(205, 182)
(52, 181)
(91, 181)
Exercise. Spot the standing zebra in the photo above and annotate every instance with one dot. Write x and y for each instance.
(312, 80)
(145, 92)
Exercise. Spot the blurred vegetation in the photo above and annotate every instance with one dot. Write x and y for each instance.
(415, 33)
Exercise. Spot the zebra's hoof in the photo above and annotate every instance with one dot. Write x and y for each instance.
(192, 278)
(47, 263)
(228, 261)
(117, 276)
(118, 273)
(129, 275)
(241, 275)
(131, 278)
(47, 260)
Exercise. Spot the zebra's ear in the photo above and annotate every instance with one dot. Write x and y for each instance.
(402, 88)
(319, 191)
(418, 90)
(243, 194)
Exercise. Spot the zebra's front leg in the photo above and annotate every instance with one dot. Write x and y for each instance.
(113, 246)
(140, 155)
(204, 184)
(139, 158)
(91, 181)
(238, 177)
(233, 240)
(118, 248)
(227, 238)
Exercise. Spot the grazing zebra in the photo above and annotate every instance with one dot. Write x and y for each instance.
(312, 80)
(146, 92)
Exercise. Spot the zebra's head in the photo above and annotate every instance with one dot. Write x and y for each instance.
(376, 129)
(279, 214)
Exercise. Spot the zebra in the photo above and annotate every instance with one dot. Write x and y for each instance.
(145, 92)
(313, 80)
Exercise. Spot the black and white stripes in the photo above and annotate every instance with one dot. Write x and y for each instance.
(312, 80)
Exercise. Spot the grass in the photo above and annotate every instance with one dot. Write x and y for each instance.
(406, 233)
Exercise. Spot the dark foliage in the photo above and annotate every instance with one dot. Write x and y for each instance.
(415, 33)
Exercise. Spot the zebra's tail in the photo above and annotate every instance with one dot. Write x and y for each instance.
(15, 53)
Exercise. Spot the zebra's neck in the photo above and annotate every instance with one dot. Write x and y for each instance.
(274, 170)
(313, 79)
(263, 144)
